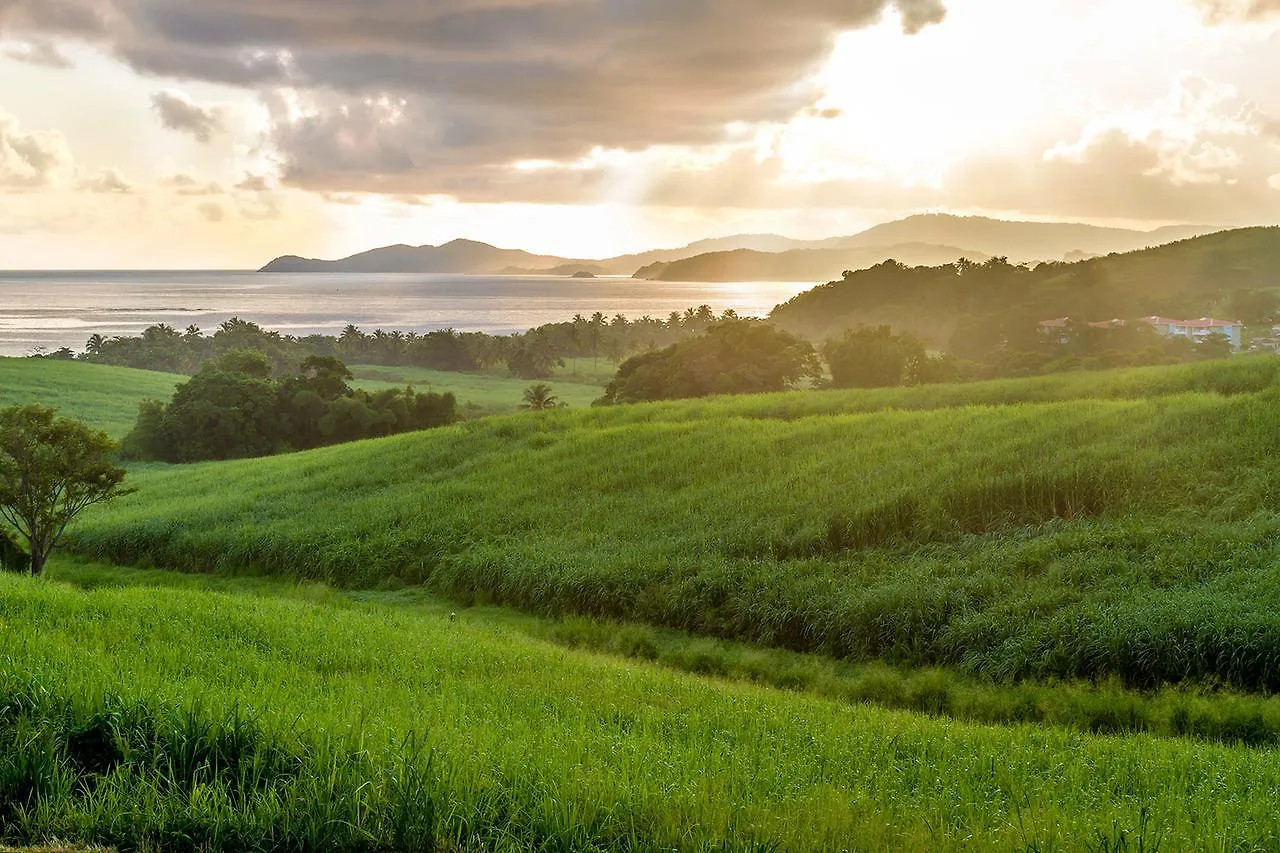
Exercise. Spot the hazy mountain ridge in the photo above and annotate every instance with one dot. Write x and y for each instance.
(979, 236)
(799, 264)
(1016, 240)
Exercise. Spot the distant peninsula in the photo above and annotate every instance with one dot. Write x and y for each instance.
(923, 239)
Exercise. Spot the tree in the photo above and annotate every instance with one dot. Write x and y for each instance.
(733, 357)
(533, 357)
(51, 470)
(538, 398)
(874, 357)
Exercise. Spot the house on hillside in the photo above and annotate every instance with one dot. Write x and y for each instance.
(1199, 330)
(1060, 328)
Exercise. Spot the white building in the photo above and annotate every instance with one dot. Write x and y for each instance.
(1199, 330)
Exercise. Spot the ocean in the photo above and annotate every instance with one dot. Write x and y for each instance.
(49, 310)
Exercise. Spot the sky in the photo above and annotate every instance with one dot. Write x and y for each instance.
(219, 134)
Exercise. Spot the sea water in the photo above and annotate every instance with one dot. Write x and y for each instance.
(48, 310)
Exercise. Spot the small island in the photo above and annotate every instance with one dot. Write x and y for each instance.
(584, 274)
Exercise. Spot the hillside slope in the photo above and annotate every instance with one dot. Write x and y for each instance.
(1131, 534)
(106, 397)
(1190, 278)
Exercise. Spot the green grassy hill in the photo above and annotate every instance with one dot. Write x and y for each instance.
(106, 397)
(253, 718)
(1126, 529)
(1074, 557)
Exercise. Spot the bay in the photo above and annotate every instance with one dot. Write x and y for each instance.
(48, 310)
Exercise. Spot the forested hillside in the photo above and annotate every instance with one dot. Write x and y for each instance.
(1216, 274)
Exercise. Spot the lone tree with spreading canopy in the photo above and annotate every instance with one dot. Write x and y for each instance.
(51, 470)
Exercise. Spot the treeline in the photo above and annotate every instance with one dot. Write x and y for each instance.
(1003, 299)
(1015, 349)
(232, 409)
(753, 356)
(531, 355)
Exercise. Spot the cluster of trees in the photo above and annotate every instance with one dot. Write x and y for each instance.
(233, 408)
(733, 357)
(1027, 348)
(875, 357)
(51, 470)
(532, 355)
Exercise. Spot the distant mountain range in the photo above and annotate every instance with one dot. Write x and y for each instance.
(924, 239)
(799, 264)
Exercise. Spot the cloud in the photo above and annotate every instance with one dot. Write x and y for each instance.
(255, 184)
(185, 185)
(107, 182)
(31, 159)
(42, 52)
(1200, 154)
(178, 112)
(379, 95)
(1218, 11)
(211, 211)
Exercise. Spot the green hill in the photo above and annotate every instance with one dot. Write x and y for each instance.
(1190, 278)
(1124, 530)
(106, 397)
(1023, 552)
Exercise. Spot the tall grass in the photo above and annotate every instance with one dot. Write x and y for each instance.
(1095, 538)
(196, 720)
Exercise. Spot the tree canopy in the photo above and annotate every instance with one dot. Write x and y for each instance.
(733, 357)
(51, 470)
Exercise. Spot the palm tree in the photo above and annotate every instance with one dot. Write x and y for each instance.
(539, 397)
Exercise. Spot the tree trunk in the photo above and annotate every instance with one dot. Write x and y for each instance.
(39, 556)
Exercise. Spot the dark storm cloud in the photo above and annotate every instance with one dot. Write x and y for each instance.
(434, 96)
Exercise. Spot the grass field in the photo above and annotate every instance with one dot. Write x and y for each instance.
(251, 716)
(478, 394)
(1123, 536)
(1025, 615)
(106, 397)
